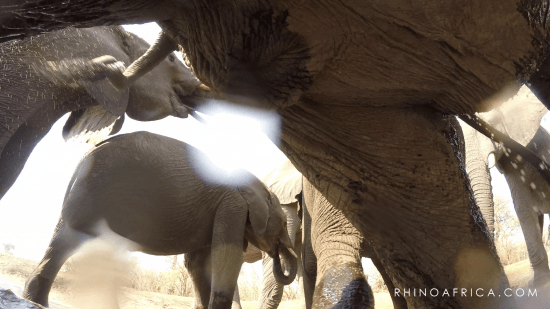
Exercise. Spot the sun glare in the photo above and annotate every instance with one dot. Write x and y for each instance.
(234, 138)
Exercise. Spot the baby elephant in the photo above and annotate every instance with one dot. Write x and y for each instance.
(160, 193)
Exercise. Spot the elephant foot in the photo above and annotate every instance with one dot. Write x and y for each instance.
(343, 286)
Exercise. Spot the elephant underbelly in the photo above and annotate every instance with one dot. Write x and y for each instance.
(445, 54)
(456, 57)
(177, 233)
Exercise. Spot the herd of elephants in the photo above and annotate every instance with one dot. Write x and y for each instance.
(368, 94)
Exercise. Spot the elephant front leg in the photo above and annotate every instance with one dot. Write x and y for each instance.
(227, 255)
(340, 281)
(524, 200)
(395, 175)
(309, 260)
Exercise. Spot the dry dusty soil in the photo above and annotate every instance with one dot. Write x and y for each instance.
(14, 271)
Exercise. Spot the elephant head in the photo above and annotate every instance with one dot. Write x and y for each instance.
(520, 119)
(266, 229)
(166, 90)
(162, 91)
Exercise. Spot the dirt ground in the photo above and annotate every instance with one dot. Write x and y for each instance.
(14, 271)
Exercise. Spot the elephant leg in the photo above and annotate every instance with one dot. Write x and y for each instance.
(398, 176)
(309, 260)
(529, 220)
(340, 281)
(62, 246)
(300, 272)
(236, 299)
(199, 266)
(398, 300)
(272, 292)
(227, 252)
(541, 224)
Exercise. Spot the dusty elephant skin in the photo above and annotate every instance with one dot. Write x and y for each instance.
(286, 183)
(30, 104)
(338, 280)
(271, 291)
(148, 188)
(364, 89)
(332, 251)
(332, 248)
(520, 119)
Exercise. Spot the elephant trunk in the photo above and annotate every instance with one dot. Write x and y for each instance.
(480, 179)
(290, 261)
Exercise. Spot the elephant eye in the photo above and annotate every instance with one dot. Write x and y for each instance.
(171, 58)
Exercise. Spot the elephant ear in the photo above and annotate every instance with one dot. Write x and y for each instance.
(91, 125)
(259, 203)
(113, 99)
(518, 117)
(285, 182)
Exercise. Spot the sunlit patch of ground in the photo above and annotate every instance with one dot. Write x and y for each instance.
(519, 273)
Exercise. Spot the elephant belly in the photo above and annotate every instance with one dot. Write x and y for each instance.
(157, 222)
(376, 53)
(170, 228)
(397, 53)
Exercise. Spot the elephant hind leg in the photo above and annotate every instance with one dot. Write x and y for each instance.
(62, 246)
(236, 299)
(199, 266)
(398, 300)
(541, 224)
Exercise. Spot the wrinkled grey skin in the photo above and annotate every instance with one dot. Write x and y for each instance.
(30, 104)
(332, 252)
(286, 183)
(337, 243)
(272, 292)
(367, 92)
(152, 190)
(520, 118)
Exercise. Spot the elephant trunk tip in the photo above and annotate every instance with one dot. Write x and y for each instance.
(290, 261)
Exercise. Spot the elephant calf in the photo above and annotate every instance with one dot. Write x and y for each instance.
(148, 188)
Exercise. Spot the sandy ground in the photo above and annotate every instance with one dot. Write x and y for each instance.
(14, 272)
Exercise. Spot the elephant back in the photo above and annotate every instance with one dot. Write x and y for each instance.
(285, 182)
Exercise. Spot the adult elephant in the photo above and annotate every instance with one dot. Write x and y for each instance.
(366, 92)
(30, 104)
(144, 187)
(520, 118)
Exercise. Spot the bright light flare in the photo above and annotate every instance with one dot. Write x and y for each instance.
(235, 139)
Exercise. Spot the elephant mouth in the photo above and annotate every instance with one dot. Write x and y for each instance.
(195, 99)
